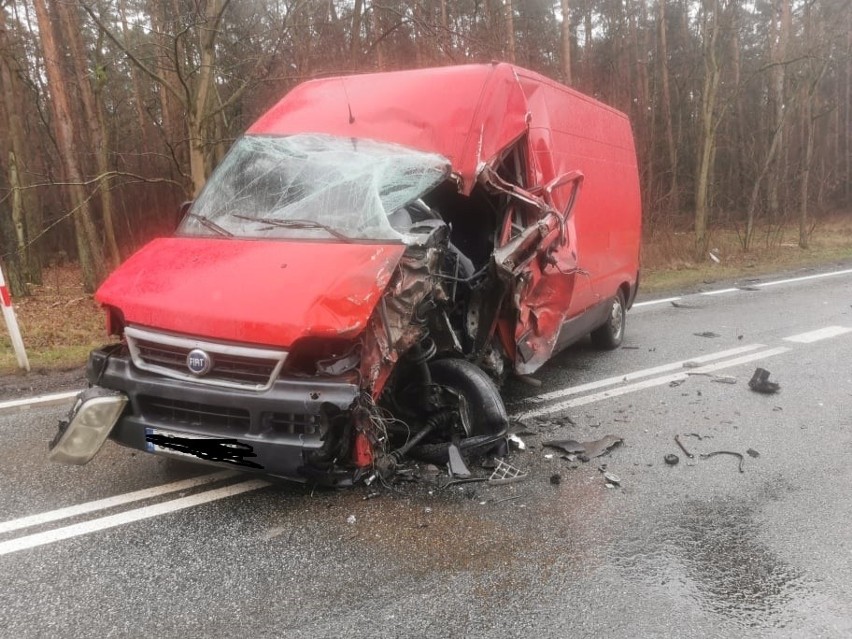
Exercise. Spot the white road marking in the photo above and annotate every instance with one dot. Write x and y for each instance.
(815, 336)
(647, 372)
(720, 291)
(652, 302)
(129, 516)
(41, 400)
(791, 280)
(649, 383)
(111, 502)
(805, 278)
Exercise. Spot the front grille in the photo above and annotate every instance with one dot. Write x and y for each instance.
(226, 367)
(235, 366)
(176, 411)
(291, 423)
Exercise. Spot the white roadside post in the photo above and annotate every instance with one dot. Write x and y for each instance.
(12, 323)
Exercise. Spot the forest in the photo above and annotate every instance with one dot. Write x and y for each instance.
(114, 112)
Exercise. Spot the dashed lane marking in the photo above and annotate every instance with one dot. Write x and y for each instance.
(817, 335)
(647, 372)
(649, 383)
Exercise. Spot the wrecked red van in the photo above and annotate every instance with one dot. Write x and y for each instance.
(363, 269)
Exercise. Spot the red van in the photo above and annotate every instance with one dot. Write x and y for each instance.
(361, 272)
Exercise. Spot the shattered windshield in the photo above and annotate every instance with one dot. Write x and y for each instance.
(313, 186)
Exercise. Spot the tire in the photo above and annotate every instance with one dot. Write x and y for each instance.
(489, 421)
(611, 333)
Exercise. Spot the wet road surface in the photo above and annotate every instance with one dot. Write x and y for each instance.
(696, 549)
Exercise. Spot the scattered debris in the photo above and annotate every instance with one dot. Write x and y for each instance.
(692, 364)
(699, 437)
(760, 383)
(612, 479)
(588, 450)
(369, 496)
(753, 453)
(682, 447)
(506, 474)
(714, 256)
(549, 456)
(456, 465)
(529, 381)
(725, 379)
(500, 501)
(351, 519)
(749, 288)
(676, 383)
(671, 459)
(678, 304)
(517, 441)
(725, 452)
(707, 334)
(556, 479)
(630, 348)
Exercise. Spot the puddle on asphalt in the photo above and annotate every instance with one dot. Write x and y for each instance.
(711, 551)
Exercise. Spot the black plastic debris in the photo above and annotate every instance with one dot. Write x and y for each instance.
(725, 379)
(682, 447)
(585, 450)
(707, 334)
(725, 452)
(556, 479)
(671, 459)
(753, 453)
(760, 383)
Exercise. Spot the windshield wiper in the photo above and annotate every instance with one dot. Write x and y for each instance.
(296, 224)
(210, 224)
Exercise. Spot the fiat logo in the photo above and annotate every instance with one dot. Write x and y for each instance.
(198, 362)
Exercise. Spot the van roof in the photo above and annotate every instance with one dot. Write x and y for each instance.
(467, 113)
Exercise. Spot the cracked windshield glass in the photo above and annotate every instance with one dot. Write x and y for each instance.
(314, 187)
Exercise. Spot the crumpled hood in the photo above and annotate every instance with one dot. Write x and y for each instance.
(257, 292)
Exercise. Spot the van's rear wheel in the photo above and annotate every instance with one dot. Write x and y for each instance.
(611, 333)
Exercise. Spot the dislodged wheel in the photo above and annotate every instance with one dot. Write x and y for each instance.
(610, 334)
(486, 413)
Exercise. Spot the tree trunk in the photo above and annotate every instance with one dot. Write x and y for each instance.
(666, 98)
(22, 206)
(88, 244)
(566, 42)
(92, 114)
(707, 123)
(778, 50)
(510, 31)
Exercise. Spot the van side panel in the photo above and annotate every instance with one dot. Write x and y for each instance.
(569, 132)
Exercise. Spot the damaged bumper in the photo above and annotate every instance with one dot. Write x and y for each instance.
(272, 432)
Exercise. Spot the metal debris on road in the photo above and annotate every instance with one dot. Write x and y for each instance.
(675, 383)
(707, 334)
(671, 459)
(506, 474)
(517, 441)
(588, 449)
(760, 383)
(456, 465)
(725, 452)
(682, 447)
(725, 379)
(612, 479)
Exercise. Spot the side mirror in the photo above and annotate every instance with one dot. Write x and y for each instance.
(183, 209)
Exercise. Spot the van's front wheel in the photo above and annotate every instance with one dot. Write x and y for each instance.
(609, 335)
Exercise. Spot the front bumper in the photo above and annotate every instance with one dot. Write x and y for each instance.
(271, 432)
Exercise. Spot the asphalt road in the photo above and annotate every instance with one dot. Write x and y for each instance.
(697, 549)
